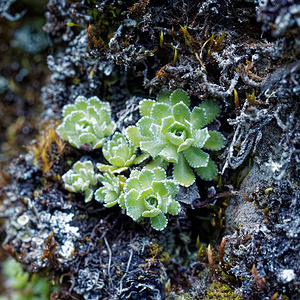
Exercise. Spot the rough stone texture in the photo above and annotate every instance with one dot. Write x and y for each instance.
(100, 253)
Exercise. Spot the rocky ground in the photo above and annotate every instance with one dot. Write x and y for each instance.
(236, 237)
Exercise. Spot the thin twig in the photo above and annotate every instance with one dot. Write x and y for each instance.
(127, 269)
(109, 259)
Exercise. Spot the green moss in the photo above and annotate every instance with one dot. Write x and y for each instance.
(221, 291)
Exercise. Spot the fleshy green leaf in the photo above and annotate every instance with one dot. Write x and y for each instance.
(181, 112)
(174, 208)
(196, 157)
(83, 120)
(200, 136)
(145, 107)
(187, 144)
(144, 125)
(160, 111)
(146, 177)
(212, 109)
(216, 141)
(183, 173)
(140, 158)
(209, 172)
(88, 195)
(169, 153)
(164, 97)
(134, 207)
(86, 138)
(133, 134)
(152, 147)
(198, 118)
(159, 222)
(132, 183)
(178, 96)
(151, 213)
(159, 173)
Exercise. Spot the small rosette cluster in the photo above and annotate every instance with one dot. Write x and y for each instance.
(120, 153)
(86, 122)
(149, 194)
(81, 178)
(111, 191)
(170, 131)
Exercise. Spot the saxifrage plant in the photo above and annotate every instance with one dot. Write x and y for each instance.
(81, 178)
(86, 122)
(112, 188)
(170, 131)
(120, 153)
(149, 194)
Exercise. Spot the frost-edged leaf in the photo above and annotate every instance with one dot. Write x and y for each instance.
(134, 207)
(151, 213)
(145, 107)
(159, 173)
(196, 157)
(88, 195)
(111, 190)
(178, 96)
(160, 188)
(148, 193)
(216, 141)
(198, 118)
(119, 151)
(67, 109)
(157, 162)
(200, 136)
(186, 144)
(132, 183)
(211, 108)
(209, 172)
(159, 222)
(183, 173)
(100, 194)
(152, 147)
(144, 125)
(174, 208)
(160, 111)
(133, 134)
(172, 186)
(164, 97)
(146, 177)
(86, 138)
(140, 158)
(169, 153)
(81, 178)
(181, 112)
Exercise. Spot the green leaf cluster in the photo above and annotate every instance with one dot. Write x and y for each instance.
(87, 121)
(169, 130)
(120, 153)
(149, 194)
(81, 178)
(167, 133)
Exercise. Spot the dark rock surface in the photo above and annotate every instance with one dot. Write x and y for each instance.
(123, 51)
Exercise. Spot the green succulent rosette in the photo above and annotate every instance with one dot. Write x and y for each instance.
(81, 178)
(120, 153)
(86, 122)
(111, 190)
(170, 131)
(149, 194)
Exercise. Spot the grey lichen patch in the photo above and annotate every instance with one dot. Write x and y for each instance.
(213, 50)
